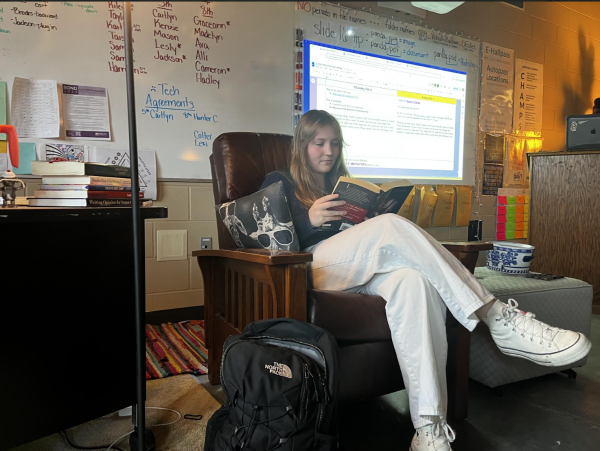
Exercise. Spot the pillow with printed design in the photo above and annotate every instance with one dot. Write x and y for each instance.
(261, 220)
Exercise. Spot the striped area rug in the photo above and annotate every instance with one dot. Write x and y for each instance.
(175, 348)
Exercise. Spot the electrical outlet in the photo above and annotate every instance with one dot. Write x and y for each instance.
(475, 230)
(206, 243)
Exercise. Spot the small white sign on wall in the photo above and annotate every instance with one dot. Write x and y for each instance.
(497, 69)
(529, 90)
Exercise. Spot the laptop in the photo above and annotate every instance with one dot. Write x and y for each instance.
(583, 132)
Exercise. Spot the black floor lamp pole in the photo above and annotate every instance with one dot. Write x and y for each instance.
(139, 435)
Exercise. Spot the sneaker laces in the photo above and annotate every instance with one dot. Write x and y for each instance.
(526, 323)
(441, 427)
(439, 430)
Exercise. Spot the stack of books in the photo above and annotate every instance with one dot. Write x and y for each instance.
(76, 184)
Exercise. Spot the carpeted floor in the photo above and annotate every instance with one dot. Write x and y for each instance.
(182, 393)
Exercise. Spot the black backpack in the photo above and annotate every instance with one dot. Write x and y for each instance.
(280, 379)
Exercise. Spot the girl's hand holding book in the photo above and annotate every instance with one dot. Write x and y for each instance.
(320, 212)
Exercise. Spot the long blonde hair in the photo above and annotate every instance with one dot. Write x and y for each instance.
(307, 187)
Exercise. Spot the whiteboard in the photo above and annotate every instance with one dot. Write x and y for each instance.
(230, 64)
(371, 33)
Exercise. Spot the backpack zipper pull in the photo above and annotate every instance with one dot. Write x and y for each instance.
(304, 394)
(325, 391)
(315, 386)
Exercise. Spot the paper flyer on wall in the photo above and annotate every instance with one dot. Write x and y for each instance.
(3, 104)
(70, 152)
(34, 110)
(120, 156)
(492, 179)
(493, 149)
(529, 90)
(497, 69)
(85, 112)
(516, 172)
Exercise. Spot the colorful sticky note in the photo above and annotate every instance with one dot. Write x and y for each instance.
(520, 199)
(510, 235)
(519, 226)
(501, 200)
(518, 234)
(501, 210)
(3, 146)
(526, 198)
(500, 236)
(525, 226)
(525, 233)
(526, 208)
(501, 219)
(511, 209)
(510, 226)
(501, 227)
(510, 217)
(519, 209)
(519, 217)
(511, 200)
(26, 156)
(526, 217)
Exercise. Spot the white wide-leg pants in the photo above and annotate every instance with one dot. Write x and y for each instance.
(394, 258)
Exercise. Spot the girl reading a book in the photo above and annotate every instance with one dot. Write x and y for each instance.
(394, 258)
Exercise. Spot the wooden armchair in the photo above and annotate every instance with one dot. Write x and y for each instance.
(241, 286)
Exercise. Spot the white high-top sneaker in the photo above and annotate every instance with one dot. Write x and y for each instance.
(433, 437)
(519, 334)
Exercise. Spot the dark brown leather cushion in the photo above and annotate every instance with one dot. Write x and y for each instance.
(242, 160)
(351, 317)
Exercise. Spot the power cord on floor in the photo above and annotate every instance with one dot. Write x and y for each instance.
(72, 445)
(112, 445)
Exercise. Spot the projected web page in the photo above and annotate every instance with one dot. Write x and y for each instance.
(399, 118)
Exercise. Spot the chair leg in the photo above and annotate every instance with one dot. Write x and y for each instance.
(457, 371)
(221, 329)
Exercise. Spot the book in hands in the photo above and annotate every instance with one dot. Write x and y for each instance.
(366, 200)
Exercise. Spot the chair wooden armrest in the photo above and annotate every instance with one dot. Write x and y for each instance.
(262, 256)
(467, 251)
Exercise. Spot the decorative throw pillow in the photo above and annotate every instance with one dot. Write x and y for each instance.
(261, 220)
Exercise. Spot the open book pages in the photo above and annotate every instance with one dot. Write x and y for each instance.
(366, 200)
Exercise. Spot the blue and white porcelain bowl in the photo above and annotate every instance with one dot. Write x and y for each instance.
(510, 258)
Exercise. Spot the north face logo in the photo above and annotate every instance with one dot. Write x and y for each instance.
(279, 369)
